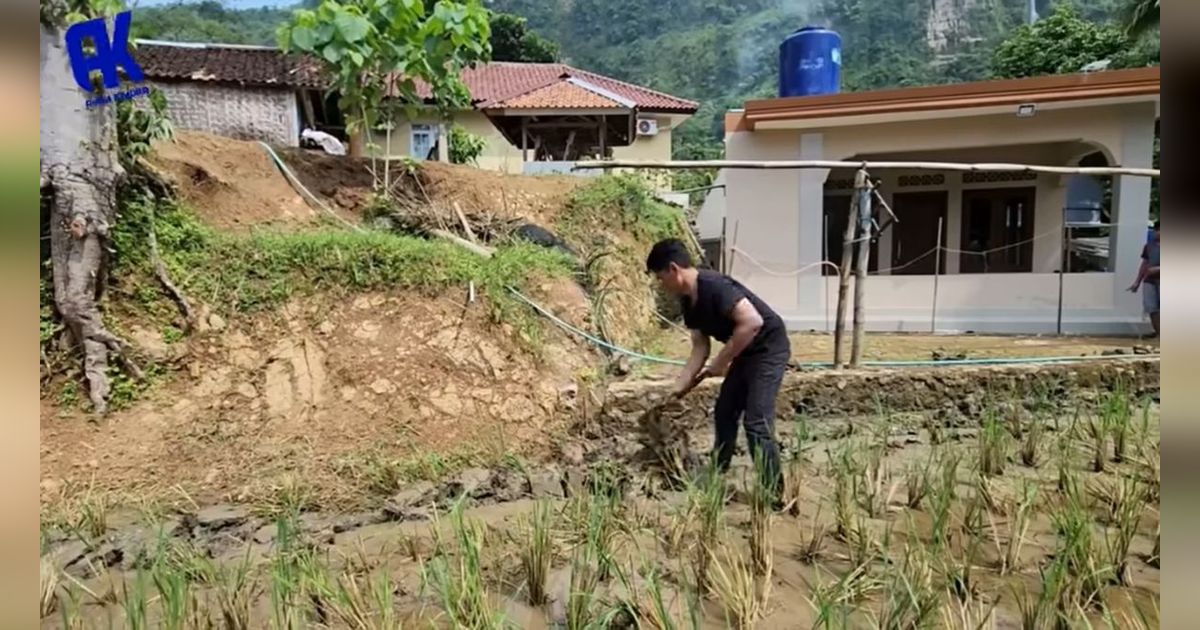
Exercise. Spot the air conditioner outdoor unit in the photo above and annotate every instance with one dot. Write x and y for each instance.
(647, 127)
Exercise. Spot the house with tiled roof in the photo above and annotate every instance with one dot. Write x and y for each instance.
(533, 116)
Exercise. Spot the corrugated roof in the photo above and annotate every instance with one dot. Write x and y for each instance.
(492, 85)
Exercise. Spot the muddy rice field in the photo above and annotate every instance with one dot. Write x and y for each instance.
(1027, 501)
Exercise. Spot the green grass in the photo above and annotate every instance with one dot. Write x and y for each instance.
(623, 201)
(240, 273)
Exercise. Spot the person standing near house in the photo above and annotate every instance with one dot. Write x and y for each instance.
(753, 358)
(1147, 278)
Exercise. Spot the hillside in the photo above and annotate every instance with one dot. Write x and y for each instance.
(716, 52)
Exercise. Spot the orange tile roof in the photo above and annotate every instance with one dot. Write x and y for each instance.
(560, 95)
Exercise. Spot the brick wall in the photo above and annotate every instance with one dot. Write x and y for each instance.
(238, 112)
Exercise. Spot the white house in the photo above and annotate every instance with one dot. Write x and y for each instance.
(1002, 234)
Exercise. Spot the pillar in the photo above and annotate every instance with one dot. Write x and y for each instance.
(1131, 207)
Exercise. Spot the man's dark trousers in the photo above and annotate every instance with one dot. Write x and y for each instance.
(749, 391)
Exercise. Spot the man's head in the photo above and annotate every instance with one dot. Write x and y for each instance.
(671, 263)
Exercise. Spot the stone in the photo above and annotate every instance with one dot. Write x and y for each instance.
(382, 386)
(326, 327)
(413, 495)
(473, 482)
(265, 534)
(221, 516)
(576, 481)
(510, 487)
(247, 390)
(572, 453)
(351, 522)
(216, 322)
(150, 343)
(546, 483)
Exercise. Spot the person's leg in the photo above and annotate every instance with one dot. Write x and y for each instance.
(1150, 304)
(730, 403)
(764, 376)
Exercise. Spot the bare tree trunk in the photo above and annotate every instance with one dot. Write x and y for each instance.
(80, 173)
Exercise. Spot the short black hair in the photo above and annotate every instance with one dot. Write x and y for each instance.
(1156, 225)
(665, 252)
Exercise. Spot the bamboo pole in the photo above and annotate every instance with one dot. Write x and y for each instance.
(839, 324)
(863, 190)
(937, 271)
(831, 164)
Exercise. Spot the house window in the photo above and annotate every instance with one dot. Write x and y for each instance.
(997, 230)
(424, 137)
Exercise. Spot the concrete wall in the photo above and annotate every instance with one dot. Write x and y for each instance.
(270, 115)
(711, 216)
(777, 215)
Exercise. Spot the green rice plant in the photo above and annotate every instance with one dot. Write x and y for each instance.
(912, 600)
(657, 613)
(1117, 412)
(793, 483)
(1154, 559)
(943, 494)
(762, 500)
(835, 601)
(537, 552)
(862, 545)
(844, 468)
(993, 445)
(175, 596)
(1031, 443)
(48, 577)
(1149, 464)
(813, 546)
(917, 483)
(733, 584)
(933, 427)
(372, 609)
(959, 569)
(134, 600)
(236, 590)
(1126, 516)
(582, 598)
(1040, 613)
(70, 607)
(972, 614)
(873, 481)
(285, 574)
(456, 574)
(706, 501)
(1077, 547)
(1097, 433)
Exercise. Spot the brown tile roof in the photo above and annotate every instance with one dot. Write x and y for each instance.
(242, 65)
(495, 84)
(1044, 89)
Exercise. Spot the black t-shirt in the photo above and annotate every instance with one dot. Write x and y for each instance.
(712, 314)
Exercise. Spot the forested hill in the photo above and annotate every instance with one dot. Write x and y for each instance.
(721, 52)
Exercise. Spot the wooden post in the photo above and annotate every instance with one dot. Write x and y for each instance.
(524, 138)
(863, 189)
(1062, 267)
(937, 270)
(724, 252)
(839, 324)
(603, 132)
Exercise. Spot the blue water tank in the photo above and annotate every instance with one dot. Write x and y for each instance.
(810, 63)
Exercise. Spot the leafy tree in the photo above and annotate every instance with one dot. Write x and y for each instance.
(377, 50)
(513, 41)
(1061, 43)
(465, 147)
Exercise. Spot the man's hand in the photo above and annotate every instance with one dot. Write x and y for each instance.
(1133, 288)
(716, 368)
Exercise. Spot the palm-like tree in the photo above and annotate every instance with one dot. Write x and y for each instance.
(1141, 16)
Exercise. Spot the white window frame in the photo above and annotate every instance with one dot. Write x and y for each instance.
(416, 130)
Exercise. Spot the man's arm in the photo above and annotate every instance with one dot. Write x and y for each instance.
(1143, 272)
(746, 324)
(687, 377)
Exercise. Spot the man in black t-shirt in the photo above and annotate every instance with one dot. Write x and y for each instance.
(753, 359)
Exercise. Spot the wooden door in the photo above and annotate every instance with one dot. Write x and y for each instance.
(999, 222)
(915, 234)
(837, 209)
